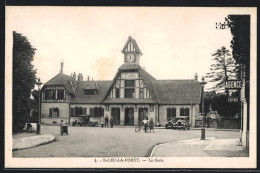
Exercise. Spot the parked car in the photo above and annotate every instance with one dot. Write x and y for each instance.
(85, 121)
(169, 124)
(181, 124)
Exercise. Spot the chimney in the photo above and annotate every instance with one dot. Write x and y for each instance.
(196, 77)
(61, 66)
(88, 78)
(80, 77)
(74, 76)
(92, 79)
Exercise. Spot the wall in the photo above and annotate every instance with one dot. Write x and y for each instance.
(194, 111)
(63, 113)
(88, 106)
(122, 111)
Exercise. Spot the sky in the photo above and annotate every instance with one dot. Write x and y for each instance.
(176, 42)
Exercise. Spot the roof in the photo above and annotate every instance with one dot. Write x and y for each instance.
(61, 79)
(162, 91)
(132, 66)
(178, 91)
(131, 40)
(89, 85)
(79, 96)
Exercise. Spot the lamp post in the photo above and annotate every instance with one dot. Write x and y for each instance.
(202, 107)
(39, 83)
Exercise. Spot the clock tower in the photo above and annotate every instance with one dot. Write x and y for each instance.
(131, 51)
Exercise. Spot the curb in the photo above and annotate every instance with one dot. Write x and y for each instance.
(32, 146)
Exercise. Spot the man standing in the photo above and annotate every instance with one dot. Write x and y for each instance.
(106, 121)
(111, 122)
(145, 121)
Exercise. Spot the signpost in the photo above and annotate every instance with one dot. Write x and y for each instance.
(234, 84)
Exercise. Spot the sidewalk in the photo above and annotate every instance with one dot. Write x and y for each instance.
(210, 147)
(32, 141)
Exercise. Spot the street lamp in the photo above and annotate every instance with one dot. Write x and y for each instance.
(39, 111)
(202, 107)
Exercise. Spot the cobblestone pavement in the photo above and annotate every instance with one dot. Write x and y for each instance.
(111, 142)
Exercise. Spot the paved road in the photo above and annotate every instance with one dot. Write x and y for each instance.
(111, 142)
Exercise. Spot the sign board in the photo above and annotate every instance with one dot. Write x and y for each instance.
(233, 99)
(129, 75)
(233, 84)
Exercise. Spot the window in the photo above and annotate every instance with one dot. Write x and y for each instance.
(117, 93)
(78, 111)
(129, 93)
(50, 94)
(54, 112)
(96, 112)
(171, 113)
(60, 94)
(184, 111)
(141, 93)
(89, 92)
(130, 83)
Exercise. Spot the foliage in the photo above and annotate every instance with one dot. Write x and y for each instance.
(219, 103)
(221, 70)
(23, 79)
(240, 29)
(240, 44)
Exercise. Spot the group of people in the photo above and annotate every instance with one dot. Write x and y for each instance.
(150, 123)
(104, 122)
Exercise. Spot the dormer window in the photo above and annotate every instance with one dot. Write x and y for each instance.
(90, 91)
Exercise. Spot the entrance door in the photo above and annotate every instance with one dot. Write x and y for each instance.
(129, 116)
(115, 113)
(142, 114)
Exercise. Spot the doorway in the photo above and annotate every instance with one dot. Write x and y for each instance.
(115, 113)
(129, 116)
(142, 114)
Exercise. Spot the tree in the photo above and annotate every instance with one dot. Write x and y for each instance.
(23, 79)
(219, 102)
(240, 29)
(221, 70)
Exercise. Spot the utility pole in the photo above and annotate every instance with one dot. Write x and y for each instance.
(202, 107)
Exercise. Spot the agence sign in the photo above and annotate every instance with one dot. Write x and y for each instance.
(233, 84)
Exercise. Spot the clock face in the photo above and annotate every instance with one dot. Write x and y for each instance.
(130, 57)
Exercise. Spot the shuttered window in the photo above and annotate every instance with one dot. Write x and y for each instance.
(184, 111)
(98, 112)
(72, 113)
(171, 113)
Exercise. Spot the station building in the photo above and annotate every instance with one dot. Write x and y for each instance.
(132, 95)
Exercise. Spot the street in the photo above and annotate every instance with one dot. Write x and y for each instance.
(111, 142)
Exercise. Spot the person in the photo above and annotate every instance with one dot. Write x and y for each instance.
(111, 122)
(102, 122)
(61, 126)
(145, 121)
(151, 124)
(29, 127)
(106, 121)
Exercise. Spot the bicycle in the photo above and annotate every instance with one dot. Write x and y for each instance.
(140, 126)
